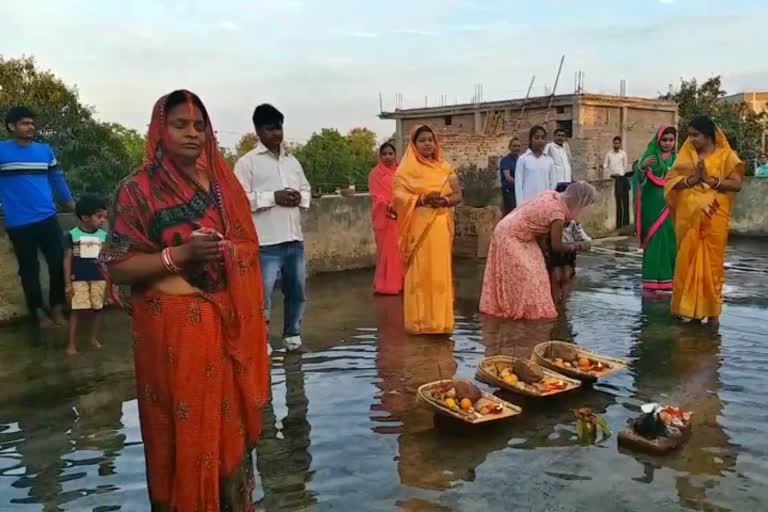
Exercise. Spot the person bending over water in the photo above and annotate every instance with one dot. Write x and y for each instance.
(516, 284)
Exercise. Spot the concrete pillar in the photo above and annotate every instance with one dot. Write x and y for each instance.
(399, 141)
(623, 123)
(578, 119)
(478, 122)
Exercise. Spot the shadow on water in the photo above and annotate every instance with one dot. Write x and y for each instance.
(344, 430)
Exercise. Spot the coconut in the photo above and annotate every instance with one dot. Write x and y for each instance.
(466, 389)
(528, 371)
(562, 351)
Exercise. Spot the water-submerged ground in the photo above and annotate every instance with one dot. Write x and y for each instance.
(344, 431)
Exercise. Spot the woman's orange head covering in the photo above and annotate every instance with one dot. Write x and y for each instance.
(131, 231)
(235, 204)
(414, 153)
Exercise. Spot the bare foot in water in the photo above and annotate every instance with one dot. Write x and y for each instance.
(95, 343)
(57, 315)
(714, 324)
(71, 351)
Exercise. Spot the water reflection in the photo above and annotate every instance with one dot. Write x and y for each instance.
(282, 454)
(65, 446)
(433, 453)
(679, 364)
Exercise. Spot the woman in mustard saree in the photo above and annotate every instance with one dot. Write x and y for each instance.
(425, 190)
(700, 190)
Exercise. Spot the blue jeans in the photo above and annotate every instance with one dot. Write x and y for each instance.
(285, 261)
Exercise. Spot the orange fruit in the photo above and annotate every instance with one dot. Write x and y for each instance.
(584, 362)
(450, 403)
(466, 404)
(511, 378)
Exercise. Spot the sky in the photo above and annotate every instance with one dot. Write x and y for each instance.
(324, 63)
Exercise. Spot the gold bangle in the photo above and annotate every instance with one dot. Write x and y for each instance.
(687, 183)
(717, 185)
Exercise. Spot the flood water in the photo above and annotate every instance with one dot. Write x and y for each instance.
(345, 432)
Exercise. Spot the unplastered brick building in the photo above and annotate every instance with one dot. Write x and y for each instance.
(474, 132)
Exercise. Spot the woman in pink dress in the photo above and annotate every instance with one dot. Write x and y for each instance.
(516, 283)
(388, 279)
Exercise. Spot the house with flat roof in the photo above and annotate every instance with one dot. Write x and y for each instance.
(471, 133)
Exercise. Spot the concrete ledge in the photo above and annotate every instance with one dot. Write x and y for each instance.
(339, 234)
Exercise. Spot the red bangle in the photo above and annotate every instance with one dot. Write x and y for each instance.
(168, 262)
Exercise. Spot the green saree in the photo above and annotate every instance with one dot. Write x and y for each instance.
(653, 224)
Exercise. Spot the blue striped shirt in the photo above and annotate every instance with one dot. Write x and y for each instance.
(28, 177)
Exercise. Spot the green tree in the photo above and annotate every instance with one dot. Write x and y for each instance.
(742, 126)
(362, 142)
(93, 155)
(247, 142)
(332, 160)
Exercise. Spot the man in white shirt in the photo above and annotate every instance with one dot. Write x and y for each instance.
(277, 190)
(615, 163)
(534, 171)
(615, 166)
(560, 153)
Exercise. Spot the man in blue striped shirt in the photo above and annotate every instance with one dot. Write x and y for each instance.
(29, 175)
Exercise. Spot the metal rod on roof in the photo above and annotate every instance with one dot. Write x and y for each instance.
(554, 90)
(525, 101)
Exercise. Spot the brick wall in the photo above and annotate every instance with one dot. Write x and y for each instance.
(465, 142)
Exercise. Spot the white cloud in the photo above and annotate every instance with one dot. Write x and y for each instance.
(364, 35)
(229, 26)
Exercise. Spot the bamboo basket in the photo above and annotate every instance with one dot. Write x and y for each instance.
(631, 440)
(540, 351)
(485, 374)
(509, 410)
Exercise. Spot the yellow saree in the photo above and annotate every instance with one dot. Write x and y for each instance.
(425, 238)
(701, 217)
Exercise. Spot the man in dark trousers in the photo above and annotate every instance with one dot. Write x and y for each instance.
(29, 174)
(507, 176)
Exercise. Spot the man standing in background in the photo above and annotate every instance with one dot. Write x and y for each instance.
(28, 172)
(560, 153)
(615, 166)
(615, 163)
(507, 171)
(277, 190)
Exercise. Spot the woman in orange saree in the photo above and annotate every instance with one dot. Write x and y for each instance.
(425, 190)
(183, 239)
(700, 190)
(388, 279)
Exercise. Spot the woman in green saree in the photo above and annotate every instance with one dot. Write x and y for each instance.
(652, 221)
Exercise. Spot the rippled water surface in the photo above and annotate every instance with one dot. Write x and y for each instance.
(344, 431)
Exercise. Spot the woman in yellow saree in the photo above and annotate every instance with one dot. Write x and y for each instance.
(700, 190)
(425, 190)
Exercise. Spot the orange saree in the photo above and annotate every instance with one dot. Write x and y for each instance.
(201, 359)
(426, 242)
(701, 217)
(388, 279)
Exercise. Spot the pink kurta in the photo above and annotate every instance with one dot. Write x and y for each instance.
(516, 283)
(388, 279)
